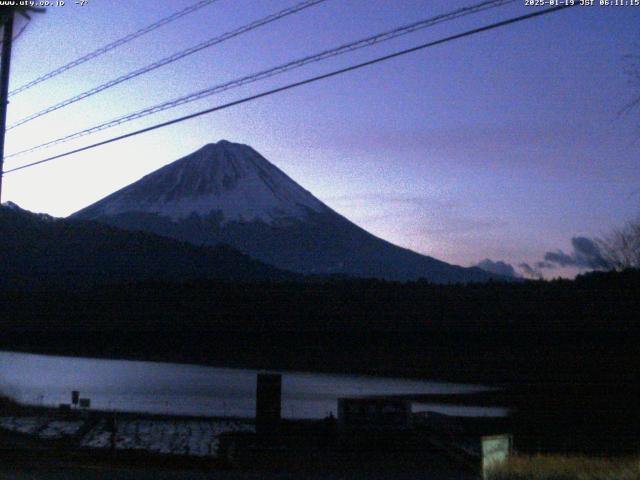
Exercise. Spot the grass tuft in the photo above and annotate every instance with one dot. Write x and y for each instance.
(559, 467)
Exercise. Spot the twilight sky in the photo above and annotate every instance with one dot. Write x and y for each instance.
(504, 145)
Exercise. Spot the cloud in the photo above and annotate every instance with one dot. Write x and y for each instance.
(499, 267)
(543, 264)
(530, 271)
(559, 258)
(586, 254)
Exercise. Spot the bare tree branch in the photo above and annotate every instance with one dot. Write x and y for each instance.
(621, 248)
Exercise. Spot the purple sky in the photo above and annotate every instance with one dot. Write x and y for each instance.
(504, 145)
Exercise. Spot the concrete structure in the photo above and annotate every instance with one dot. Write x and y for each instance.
(268, 403)
(495, 449)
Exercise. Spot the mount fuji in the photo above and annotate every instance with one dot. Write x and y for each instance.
(229, 193)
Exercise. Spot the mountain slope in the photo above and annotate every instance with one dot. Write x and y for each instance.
(228, 193)
(38, 251)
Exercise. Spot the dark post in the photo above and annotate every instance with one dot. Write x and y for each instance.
(75, 397)
(268, 400)
(7, 20)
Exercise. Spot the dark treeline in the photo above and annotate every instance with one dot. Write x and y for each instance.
(491, 332)
(596, 302)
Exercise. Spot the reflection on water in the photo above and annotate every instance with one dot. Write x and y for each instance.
(187, 389)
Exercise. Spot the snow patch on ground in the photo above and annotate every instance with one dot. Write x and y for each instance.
(177, 437)
(58, 429)
(41, 427)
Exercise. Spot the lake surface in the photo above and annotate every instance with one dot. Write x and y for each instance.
(177, 389)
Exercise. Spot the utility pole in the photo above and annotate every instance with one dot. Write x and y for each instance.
(5, 65)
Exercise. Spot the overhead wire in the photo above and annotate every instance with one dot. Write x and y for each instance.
(117, 43)
(342, 49)
(170, 59)
(299, 83)
(20, 32)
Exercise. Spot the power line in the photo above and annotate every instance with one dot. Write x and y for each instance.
(112, 45)
(298, 84)
(170, 59)
(20, 32)
(349, 47)
(24, 27)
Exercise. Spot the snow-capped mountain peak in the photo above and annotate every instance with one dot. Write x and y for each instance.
(227, 178)
(227, 193)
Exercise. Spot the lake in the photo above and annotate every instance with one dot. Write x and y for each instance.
(177, 389)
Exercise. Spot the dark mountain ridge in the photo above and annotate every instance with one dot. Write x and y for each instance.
(39, 251)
